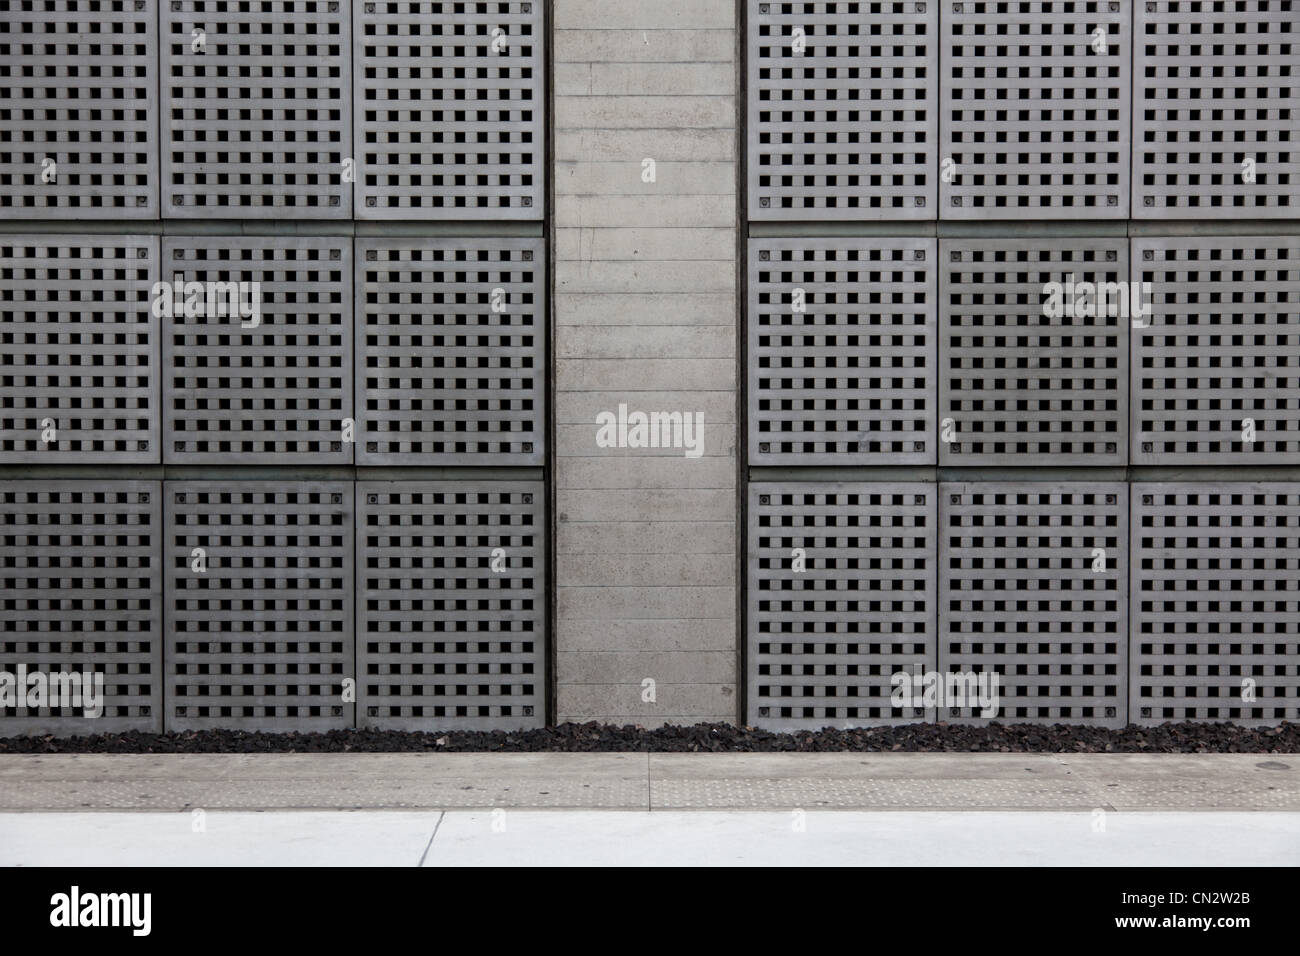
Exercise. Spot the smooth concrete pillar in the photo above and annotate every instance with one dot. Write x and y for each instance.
(646, 318)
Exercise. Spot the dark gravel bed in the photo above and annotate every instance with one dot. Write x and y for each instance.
(718, 738)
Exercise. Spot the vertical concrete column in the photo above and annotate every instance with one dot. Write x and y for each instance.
(646, 321)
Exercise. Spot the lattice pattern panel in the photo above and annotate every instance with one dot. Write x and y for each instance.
(1216, 603)
(827, 644)
(1017, 385)
(81, 594)
(78, 109)
(263, 638)
(842, 351)
(450, 361)
(842, 110)
(450, 110)
(1033, 118)
(1219, 360)
(1033, 586)
(78, 355)
(257, 109)
(1216, 124)
(450, 606)
(263, 373)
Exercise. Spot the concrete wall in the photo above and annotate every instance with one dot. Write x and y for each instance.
(645, 313)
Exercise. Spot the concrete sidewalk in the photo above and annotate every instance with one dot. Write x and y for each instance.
(654, 782)
(664, 838)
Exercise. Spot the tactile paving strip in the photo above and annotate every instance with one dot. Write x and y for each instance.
(826, 643)
(450, 110)
(450, 346)
(842, 110)
(842, 351)
(1216, 603)
(81, 593)
(263, 639)
(1033, 586)
(1034, 121)
(78, 354)
(1220, 359)
(1215, 90)
(450, 607)
(271, 383)
(257, 109)
(1016, 386)
(79, 109)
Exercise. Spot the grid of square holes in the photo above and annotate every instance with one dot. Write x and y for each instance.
(1033, 586)
(274, 387)
(81, 593)
(449, 110)
(262, 638)
(1015, 385)
(450, 336)
(1216, 87)
(841, 351)
(1035, 121)
(78, 106)
(257, 112)
(1221, 356)
(825, 641)
(450, 608)
(78, 357)
(842, 118)
(1216, 603)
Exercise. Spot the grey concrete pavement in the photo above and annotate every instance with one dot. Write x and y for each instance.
(321, 838)
(321, 781)
(857, 838)
(670, 838)
(656, 782)
(975, 781)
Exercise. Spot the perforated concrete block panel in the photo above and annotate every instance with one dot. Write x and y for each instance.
(1216, 131)
(450, 339)
(269, 381)
(843, 111)
(256, 109)
(259, 610)
(1020, 386)
(79, 109)
(450, 110)
(1215, 602)
(842, 351)
(81, 596)
(1033, 587)
(78, 349)
(1035, 109)
(826, 642)
(1216, 368)
(451, 613)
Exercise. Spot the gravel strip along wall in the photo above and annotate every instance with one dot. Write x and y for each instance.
(593, 737)
(274, 341)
